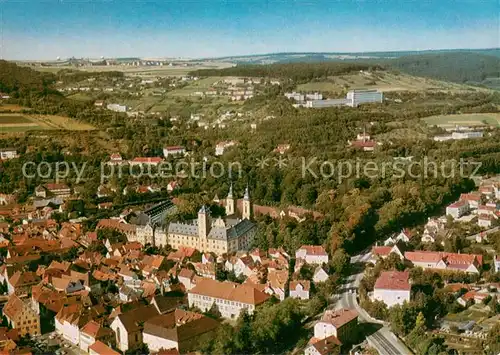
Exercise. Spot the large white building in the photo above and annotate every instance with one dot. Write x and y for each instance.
(312, 254)
(117, 107)
(457, 209)
(470, 263)
(8, 153)
(392, 288)
(220, 235)
(178, 329)
(340, 323)
(229, 298)
(358, 97)
(173, 150)
(459, 135)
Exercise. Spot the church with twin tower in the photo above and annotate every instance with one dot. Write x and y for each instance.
(218, 235)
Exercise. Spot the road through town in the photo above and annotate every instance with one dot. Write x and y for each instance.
(383, 340)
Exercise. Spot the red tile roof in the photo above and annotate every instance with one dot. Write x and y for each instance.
(457, 204)
(339, 317)
(393, 280)
(381, 251)
(102, 349)
(229, 291)
(450, 258)
(147, 160)
(325, 346)
(314, 249)
(53, 187)
(116, 224)
(473, 196)
(174, 148)
(305, 284)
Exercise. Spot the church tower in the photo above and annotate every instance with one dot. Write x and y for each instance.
(230, 202)
(247, 205)
(203, 223)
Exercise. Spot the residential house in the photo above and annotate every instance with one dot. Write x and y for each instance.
(57, 190)
(186, 278)
(178, 329)
(99, 348)
(404, 236)
(73, 317)
(21, 316)
(496, 260)
(207, 270)
(221, 147)
(8, 153)
(116, 159)
(312, 254)
(470, 263)
(150, 161)
(92, 332)
(457, 209)
(472, 296)
(300, 289)
(165, 304)
(229, 298)
(173, 150)
(320, 275)
(392, 288)
(340, 323)
(276, 283)
(128, 326)
(129, 294)
(243, 265)
(21, 282)
(473, 199)
(326, 346)
(486, 220)
(384, 252)
(282, 148)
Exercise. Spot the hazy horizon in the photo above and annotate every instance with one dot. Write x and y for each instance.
(47, 29)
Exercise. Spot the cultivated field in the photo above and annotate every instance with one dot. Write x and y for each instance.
(382, 81)
(468, 119)
(22, 123)
(12, 108)
(142, 71)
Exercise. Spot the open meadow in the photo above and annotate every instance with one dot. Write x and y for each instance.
(466, 119)
(382, 81)
(14, 122)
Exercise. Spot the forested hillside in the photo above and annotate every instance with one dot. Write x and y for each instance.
(17, 80)
(298, 72)
(459, 67)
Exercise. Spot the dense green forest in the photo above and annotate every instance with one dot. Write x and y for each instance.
(19, 81)
(297, 72)
(459, 67)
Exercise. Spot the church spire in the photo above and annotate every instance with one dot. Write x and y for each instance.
(230, 193)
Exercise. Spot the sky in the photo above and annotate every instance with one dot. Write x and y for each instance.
(47, 29)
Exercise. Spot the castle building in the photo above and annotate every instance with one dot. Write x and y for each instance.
(219, 235)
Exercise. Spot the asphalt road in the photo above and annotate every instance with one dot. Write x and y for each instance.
(383, 340)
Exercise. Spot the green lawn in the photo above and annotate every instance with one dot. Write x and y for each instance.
(468, 119)
(475, 312)
(80, 97)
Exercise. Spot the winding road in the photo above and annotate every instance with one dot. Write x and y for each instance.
(383, 340)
